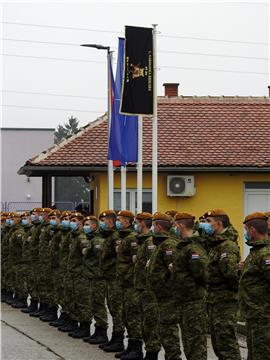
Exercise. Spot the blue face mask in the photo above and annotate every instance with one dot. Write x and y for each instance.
(208, 228)
(33, 217)
(11, 222)
(53, 223)
(137, 228)
(65, 224)
(177, 231)
(87, 229)
(118, 225)
(73, 226)
(8, 221)
(25, 222)
(246, 236)
(40, 218)
(103, 225)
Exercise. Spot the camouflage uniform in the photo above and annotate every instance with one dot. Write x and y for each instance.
(78, 278)
(255, 300)
(5, 235)
(148, 302)
(54, 263)
(24, 285)
(222, 281)
(113, 289)
(97, 283)
(124, 273)
(188, 277)
(160, 281)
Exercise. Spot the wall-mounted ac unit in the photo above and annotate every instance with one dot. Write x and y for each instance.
(180, 185)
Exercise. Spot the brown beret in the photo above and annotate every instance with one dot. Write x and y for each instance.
(25, 213)
(255, 216)
(76, 215)
(15, 214)
(46, 210)
(55, 212)
(91, 218)
(202, 217)
(65, 213)
(183, 216)
(172, 213)
(126, 213)
(107, 213)
(160, 216)
(143, 216)
(267, 213)
(215, 212)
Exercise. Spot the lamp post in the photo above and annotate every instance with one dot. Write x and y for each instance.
(110, 162)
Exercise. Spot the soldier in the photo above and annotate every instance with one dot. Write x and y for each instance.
(92, 255)
(188, 277)
(6, 230)
(254, 287)
(126, 249)
(113, 290)
(80, 283)
(159, 278)
(172, 214)
(222, 281)
(148, 302)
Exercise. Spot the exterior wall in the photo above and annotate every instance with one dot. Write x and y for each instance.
(213, 190)
(17, 145)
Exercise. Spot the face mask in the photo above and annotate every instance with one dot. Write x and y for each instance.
(8, 221)
(177, 231)
(33, 217)
(118, 225)
(137, 228)
(11, 222)
(65, 224)
(73, 226)
(40, 218)
(87, 229)
(25, 222)
(53, 223)
(103, 225)
(246, 236)
(152, 229)
(208, 228)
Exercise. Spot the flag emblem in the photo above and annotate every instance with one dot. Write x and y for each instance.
(223, 255)
(169, 252)
(195, 256)
(267, 261)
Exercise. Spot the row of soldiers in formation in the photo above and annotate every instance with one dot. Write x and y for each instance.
(156, 273)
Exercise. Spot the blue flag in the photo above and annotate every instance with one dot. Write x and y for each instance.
(123, 142)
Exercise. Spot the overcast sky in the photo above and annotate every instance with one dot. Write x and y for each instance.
(244, 26)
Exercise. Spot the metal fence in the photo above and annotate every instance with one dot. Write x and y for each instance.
(29, 205)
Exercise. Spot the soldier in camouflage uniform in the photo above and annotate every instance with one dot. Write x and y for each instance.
(254, 287)
(159, 277)
(148, 301)
(188, 277)
(222, 281)
(126, 251)
(113, 290)
(92, 256)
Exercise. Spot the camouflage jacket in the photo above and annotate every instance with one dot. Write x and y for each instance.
(44, 261)
(64, 251)
(126, 249)
(254, 288)
(75, 263)
(222, 270)
(54, 247)
(26, 250)
(15, 245)
(92, 255)
(34, 241)
(108, 256)
(145, 249)
(158, 275)
(6, 233)
(189, 267)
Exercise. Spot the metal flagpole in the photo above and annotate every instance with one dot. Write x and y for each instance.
(140, 164)
(110, 162)
(154, 127)
(123, 188)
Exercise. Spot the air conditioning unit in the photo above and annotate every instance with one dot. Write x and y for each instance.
(180, 185)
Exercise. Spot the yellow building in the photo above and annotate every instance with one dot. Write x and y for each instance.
(212, 152)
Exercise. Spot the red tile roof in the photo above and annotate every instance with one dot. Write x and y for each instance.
(192, 131)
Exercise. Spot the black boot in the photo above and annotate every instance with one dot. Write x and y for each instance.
(62, 320)
(46, 311)
(116, 345)
(12, 300)
(83, 331)
(32, 308)
(20, 304)
(136, 351)
(99, 337)
(151, 355)
(4, 295)
(71, 326)
(41, 311)
(124, 352)
(9, 298)
(51, 315)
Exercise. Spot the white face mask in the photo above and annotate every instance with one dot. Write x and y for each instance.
(152, 229)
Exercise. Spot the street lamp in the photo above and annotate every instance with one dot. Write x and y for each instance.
(110, 162)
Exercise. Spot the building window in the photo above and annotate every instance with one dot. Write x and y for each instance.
(132, 200)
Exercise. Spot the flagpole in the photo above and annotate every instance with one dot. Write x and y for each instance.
(154, 127)
(110, 162)
(123, 188)
(140, 164)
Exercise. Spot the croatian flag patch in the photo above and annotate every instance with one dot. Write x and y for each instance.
(169, 252)
(195, 256)
(223, 255)
(267, 261)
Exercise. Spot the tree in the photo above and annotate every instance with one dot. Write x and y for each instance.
(68, 129)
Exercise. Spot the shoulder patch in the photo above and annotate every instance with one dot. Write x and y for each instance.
(267, 261)
(195, 256)
(168, 252)
(133, 244)
(223, 255)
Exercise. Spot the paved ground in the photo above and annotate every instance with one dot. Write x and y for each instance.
(26, 338)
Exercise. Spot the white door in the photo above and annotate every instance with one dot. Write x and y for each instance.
(256, 200)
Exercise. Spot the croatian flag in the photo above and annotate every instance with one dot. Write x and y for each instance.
(123, 141)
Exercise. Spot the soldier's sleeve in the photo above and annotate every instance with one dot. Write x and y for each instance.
(198, 262)
(133, 245)
(168, 250)
(228, 264)
(265, 265)
(83, 241)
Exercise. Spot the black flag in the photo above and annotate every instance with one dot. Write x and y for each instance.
(137, 90)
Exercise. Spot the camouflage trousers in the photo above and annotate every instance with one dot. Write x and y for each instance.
(193, 323)
(80, 304)
(222, 318)
(98, 307)
(150, 320)
(33, 281)
(132, 313)
(114, 296)
(44, 286)
(169, 331)
(65, 292)
(258, 339)
(22, 275)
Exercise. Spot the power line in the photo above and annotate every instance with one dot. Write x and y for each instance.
(52, 58)
(161, 51)
(119, 32)
(48, 108)
(53, 94)
(216, 70)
